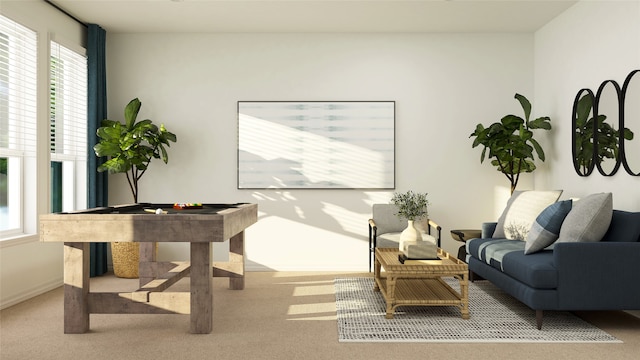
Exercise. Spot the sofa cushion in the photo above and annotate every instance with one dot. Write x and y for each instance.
(492, 251)
(624, 227)
(521, 211)
(535, 270)
(588, 220)
(546, 229)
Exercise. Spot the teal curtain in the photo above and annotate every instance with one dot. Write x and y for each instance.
(56, 186)
(97, 111)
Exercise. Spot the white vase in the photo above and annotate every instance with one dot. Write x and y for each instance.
(409, 234)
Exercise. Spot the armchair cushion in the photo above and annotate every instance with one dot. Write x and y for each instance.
(386, 219)
(389, 240)
(389, 225)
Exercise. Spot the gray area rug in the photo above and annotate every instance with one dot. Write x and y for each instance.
(495, 317)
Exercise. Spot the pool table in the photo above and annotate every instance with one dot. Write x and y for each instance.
(145, 224)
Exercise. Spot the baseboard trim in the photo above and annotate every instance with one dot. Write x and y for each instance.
(30, 293)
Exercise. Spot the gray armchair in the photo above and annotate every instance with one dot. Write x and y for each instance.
(385, 228)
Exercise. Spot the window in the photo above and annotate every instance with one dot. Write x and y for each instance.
(4, 136)
(68, 128)
(19, 171)
(18, 64)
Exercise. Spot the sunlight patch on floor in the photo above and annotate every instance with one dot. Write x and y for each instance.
(319, 318)
(307, 282)
(313, 290)
(300, 309)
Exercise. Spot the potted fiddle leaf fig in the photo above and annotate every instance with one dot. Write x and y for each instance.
(131, 146)
(510, 142)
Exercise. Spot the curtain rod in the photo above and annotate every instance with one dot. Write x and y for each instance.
(66, 13)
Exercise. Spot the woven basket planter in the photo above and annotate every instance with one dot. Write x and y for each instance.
(125, 256)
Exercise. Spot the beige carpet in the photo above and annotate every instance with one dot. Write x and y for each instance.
(280, 315)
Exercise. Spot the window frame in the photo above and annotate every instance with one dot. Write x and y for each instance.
(68, 111)
(35, 176)
(20, 145)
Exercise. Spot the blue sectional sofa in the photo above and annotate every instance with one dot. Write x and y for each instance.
(566, 276)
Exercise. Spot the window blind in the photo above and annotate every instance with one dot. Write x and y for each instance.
(68, 104)
(18, 77)
(18, 117)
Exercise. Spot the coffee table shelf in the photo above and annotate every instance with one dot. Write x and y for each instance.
(420, 285)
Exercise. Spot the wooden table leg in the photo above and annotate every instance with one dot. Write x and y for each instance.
(201, 288)
(464, 292)
(236, 255)
(76, 287)
(391, 296)
(377, 267)
(147, 267)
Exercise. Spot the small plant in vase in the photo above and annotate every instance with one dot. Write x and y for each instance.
(411, 206)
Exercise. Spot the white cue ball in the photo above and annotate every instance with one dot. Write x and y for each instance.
(158, 211)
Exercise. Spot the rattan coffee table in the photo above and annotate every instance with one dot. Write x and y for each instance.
(420, 285)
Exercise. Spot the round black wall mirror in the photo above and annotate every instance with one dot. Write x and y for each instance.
(607, 139)
(630, 144)
(582, 135)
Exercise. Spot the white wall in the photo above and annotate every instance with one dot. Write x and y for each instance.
(28, 267)
(443, 85)
(591, 42)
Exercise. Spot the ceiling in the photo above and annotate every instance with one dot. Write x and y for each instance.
(175, 16)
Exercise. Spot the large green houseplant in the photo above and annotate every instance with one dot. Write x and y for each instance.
(510, 142)
(131, 146)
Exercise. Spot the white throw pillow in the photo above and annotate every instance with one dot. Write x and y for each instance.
(588, 220)
(522, 210)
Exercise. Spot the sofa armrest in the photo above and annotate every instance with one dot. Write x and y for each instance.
(487, 229)
(598, 275)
